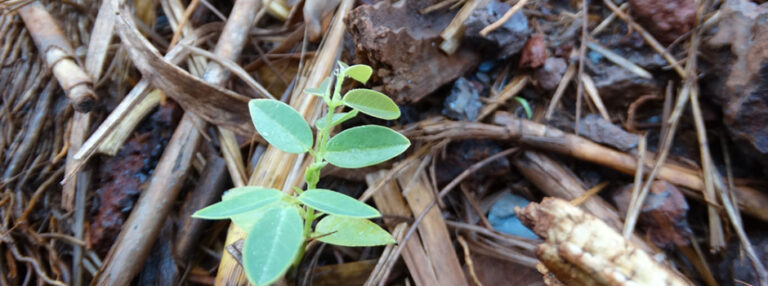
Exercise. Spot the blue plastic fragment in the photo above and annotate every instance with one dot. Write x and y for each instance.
(503, 219)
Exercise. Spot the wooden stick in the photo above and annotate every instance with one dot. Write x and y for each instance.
(554, 180)
(544, 137)
(391, 202)
(500, 22)
(59, 56)
(212, 182)
(126, 257)
(510, 90)
(452, 34)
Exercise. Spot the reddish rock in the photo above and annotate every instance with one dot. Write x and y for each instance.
(402, 46)
(663, 215)
(123, 177)
(667, 20)
(534, 53)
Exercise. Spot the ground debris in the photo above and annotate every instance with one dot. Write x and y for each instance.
(744, 91)
(125, 175)
(549, 75)
(666, 20)
(582, 250)
(663, 215)
(464, 101)
(504, 41)
(535, 53)
(402, 46)
(594, 127)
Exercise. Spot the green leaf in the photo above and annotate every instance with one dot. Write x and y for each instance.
(525, 105)
(349, 231)
(342, 65)
(364, 146)
(272, 245)
(322, 90)
(336, 203)
(242, 200)
(372, 102)
(338, 118)
(281, 125)
(359, 73)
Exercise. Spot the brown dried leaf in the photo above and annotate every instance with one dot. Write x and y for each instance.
(215, 105)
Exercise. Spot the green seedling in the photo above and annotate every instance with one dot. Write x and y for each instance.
(278, 224)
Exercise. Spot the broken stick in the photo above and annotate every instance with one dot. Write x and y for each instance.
(59, 56)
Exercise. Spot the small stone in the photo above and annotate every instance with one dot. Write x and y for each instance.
(509, 38)
(464, 101)
(549, 75)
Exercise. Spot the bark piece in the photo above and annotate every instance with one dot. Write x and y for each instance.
(577, 243)
(402, 46)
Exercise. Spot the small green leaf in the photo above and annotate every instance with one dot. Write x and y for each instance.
(372, 102)
(322, 90)
(342, 65)
(525, 105)
(364, 146)
(336, 203)
(349, 231)
(242, 200)
(359, 73)
(272, 245)
(281, 125)
(338, 118)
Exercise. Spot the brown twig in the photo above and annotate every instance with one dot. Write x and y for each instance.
(507, 15)
(59, 56)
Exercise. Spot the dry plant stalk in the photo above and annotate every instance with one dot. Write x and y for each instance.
(391, 202)
(544, 137)
(59, 56)
(126, 256)
(452, 34)
(282, 170)
(582, 250)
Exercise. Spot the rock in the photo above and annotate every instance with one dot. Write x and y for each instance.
(619, 87)
(503, 218)
(502, 42)
(402, 46)
(534, 53)
(663, 215)
(549, 75)
(464, 101)
(743, 34)
(667, 20)
(594, 127)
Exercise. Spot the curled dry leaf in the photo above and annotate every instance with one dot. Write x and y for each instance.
(214, 104)
(582, 250)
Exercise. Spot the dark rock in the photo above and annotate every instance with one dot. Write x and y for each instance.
(740, 77)
(464, 101)
(619, 87)
(507, 39)
(667, 20)
(663, 215)
(549, 75)
(402, 46)
(594, 127)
